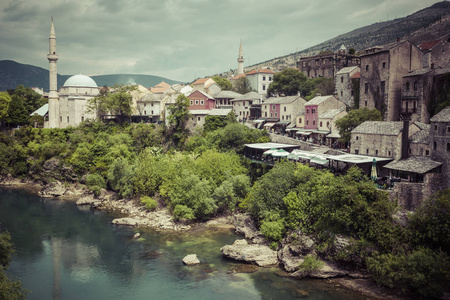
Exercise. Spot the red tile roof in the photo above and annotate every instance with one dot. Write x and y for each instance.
(428, 45)
(201, 80)
(356, 75)
(260, 71)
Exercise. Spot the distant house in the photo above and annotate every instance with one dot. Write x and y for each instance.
(260, 80)
(248, 106)
(200, 105)
(284, 109)
(207, 85)
(382, 69)
(344, 84)
(224, 99)
(162, 89)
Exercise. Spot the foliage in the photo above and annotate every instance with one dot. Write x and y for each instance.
(183, 212)
(272, 226)
(96, 183)
(121, 177)
(9, 289)
(31, 100)
(116, 101)
(17, 112)
(5, 100)
(242, 85)
(311, 263)
(354, 118)
(149, 202)
(289, 82)
(422, 271)
(224, 83)
(321, 85)
(178, 116)
(431, 222)
(213, 123)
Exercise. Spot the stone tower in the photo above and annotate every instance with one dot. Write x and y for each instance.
(240, 60)
(53, 97)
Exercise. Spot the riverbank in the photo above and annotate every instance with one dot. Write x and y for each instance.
(136, 215)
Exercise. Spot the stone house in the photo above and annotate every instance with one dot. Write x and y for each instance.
(327, 123)
(224, 99)
(344, 84)
(200, 105)
(242, 106)
(440, 143)
(207, 85)
(436, 53)
(317, 106)
(326, 64)
(162, 89)
(382, 69)
(146, 106)
(260, 80)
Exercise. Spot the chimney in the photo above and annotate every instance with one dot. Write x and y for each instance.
(405, 138)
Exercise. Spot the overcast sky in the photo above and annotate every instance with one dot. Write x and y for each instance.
(179, 39)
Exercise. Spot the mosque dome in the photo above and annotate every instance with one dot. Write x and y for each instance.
(80, 81)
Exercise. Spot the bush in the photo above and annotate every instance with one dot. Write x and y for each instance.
(96, 183)
(149, 202)
(422, 271)
(183, 212)
(311, 263)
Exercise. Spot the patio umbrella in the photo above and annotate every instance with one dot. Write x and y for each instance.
(280, 153)
(373, 173)
(270, 151)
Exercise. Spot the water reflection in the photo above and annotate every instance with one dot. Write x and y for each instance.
(67, 252)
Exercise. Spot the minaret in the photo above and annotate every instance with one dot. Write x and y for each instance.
(53, 97)
(240, 60)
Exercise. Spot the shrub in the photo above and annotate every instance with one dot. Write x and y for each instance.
(311, 263)
(96, 183)
(183, 212)
(149, 202)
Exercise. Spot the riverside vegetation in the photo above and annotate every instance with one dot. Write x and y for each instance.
(202, 175)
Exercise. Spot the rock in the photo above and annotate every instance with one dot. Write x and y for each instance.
(136, 235)
(261, 255)
(289, 260)
(245, 225)
(401, 217)
(53, 189)
(191, 260)
(326, 271)
(86, 200)
(126, 222)
(341, 242)
(299, 243)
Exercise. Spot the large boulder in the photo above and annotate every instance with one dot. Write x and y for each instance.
(261, 255)
(53, 189)
(289, 260)
(191, 260)
(126, 222)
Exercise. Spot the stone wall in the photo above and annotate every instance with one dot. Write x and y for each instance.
(277, 138)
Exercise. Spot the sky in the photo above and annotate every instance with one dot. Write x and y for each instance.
(179, 39)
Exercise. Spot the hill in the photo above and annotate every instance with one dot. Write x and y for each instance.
(13, 73)
(430, 23)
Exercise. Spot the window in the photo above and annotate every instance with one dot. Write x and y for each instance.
(367, 151)
(435, 127)
(341, 93)
(67, 119)
(407, 86)
(357, 137)
(82, 118)
(307, 122)
(389, 153)
(415, 86)
(145, 112)
(271, 114)
(196, 102)
(152, 112)
(60, 118)
(314, 122)
(201, 102)
(427, 152)
(384, 65)
(356, 151)
(365, 103)
(276, 115)
(300, 121)
(270, 78)
(434, 146)
(366, 87)
(342, 78)
(265, 114)
(367, 67)
(264, 78)
(282, 118)
(448, 129)
(285, 108)
(376, 152)
(198, 118)
(192, 102)
(273, 107)
(321, 124)
(307, 110)
(313, 110)
(328, 124)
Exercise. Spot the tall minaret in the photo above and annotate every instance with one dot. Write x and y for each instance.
(240, 60)
(53, 97)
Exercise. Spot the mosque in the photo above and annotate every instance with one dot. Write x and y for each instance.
(68, 107)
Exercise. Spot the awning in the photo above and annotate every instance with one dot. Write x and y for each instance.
(304, 132)
(319, 161)
(335, 135)
(284, 123)
(258, 121)
(270, 124)
(280, 153)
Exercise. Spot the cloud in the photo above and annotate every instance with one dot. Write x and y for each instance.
(178, 39)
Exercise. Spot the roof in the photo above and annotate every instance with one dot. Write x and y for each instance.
(418, 72)
(330, 114)
(249, 96)
(160, 88)
(357, 75)
(428, 45)
(228, 95)
(416, 164)
(265, 71)
(442, 116)
(199, 111)
(267, 146)
(421, 136)
(346, 70)
(237, 77)
(317, 100)
(282, 100)
(201, 80)
(219, 111)
(379, 127)
(203, 93)
(80, 81)
(41, 111)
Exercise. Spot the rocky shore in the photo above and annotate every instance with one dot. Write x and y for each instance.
(253, 249)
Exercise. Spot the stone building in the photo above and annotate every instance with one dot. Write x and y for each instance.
(200, 105)
(317, 106)
(440, 143)
(224, 99)
(382, 69)
(260, 80)
(344, 84)
(242, 105)
(207, 85)
(326, 64)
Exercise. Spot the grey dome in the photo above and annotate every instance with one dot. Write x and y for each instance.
(80, 81)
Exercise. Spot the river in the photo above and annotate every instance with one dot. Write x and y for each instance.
(69, 252)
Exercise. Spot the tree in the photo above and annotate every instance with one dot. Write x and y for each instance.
(178, 116)
(289, 82)
(242, 85)
(215, 122)
(354, 118)
(5, 100)
(116, 101)
(31, 100)
(224, 83)
(17, 113)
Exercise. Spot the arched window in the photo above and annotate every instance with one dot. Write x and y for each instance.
(321, 124)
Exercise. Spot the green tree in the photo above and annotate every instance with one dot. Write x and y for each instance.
(116, 101)
(224, 83)
(289, 82)
(178, 116)
(17, 113)
(5, 100)
(31, 100)
(9, 289)
(213, 123)
(121, 177)
(242, 85)
(353, 119)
